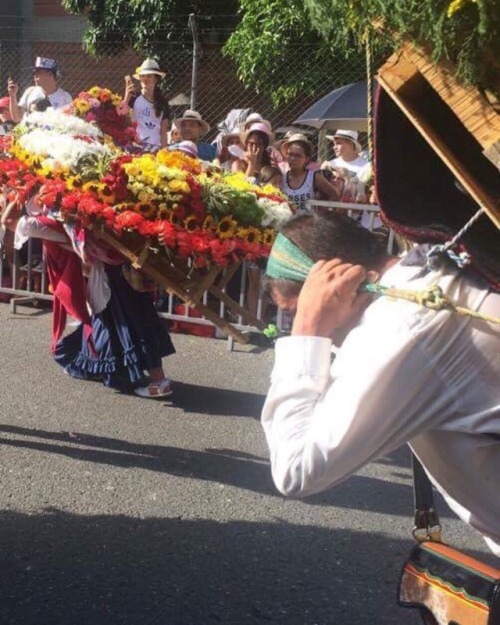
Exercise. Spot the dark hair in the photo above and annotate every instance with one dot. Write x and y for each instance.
(268, 172)
(323, 237)
(42, 105)
(160, 102)
(307, 147)
(266, 159)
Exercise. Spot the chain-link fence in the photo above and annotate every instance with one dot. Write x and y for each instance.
(218, 89)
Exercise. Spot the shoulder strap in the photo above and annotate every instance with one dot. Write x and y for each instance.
(426, 525)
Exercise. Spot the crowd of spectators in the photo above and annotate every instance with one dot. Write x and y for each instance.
(245, 143)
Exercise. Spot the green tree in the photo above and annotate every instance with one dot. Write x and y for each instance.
(467, 32)
(277, 51)
(150, 27)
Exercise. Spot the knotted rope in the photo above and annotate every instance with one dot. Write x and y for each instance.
(432, 298)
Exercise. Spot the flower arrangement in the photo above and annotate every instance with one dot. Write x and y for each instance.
(165, 197)
(108, 111)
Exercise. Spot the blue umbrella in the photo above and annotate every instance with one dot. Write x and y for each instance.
(345, 107)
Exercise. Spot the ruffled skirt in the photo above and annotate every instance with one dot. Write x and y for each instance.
(128, 338)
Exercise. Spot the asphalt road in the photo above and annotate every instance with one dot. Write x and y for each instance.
(118, 510)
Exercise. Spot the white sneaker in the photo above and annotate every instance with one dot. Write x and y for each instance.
(163, 388)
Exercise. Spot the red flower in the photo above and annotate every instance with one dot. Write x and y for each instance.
(128, 220)
(167, 233)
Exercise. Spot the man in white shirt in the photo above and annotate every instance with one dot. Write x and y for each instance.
(403, 372)
(45, 77)
(347, 152)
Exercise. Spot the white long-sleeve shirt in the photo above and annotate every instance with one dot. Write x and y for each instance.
(404, 374)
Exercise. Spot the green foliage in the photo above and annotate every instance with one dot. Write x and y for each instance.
(151, 27)
(466, 32)
(278, 52)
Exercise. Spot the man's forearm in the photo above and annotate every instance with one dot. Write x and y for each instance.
(16, 111)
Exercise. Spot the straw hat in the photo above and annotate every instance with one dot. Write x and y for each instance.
(254, 118)
(297, 136)
(229, 135)
(192, 115)
(148, 67)
(262, 127)
(350, 135)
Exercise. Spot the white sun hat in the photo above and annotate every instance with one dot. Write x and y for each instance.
(192, 115)
(147, 67)
(350, 135)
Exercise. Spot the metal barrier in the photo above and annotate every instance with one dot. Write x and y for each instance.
(246, 288)
(366, 214)
(23, 276)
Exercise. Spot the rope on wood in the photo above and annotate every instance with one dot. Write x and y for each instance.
(369, 94)
(432, 298)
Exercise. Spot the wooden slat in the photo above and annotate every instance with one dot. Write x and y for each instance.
(490, 205)
(168, 278)
(467, 102)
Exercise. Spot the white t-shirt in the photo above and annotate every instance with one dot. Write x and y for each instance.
(148, 122)
(404, 374)
(355, 166)
(58, 99)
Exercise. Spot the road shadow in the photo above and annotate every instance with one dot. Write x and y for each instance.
(229, 467)
(62, 568)
(201, 399)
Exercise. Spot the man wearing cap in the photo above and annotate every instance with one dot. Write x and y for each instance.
(192, 127)
(6, 123)
(347, 151)
(45, 77)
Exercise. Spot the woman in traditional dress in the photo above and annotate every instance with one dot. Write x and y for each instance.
(122, 337)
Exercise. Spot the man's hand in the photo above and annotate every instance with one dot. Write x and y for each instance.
(329, 299)
(12, 87)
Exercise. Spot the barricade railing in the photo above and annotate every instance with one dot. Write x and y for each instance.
(28, 281)
(23, 276)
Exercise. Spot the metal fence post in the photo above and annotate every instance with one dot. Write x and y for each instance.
(193, 25)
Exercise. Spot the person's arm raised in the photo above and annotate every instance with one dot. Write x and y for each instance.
(325, 187)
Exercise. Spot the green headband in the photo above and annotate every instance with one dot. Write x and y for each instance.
(287, 261)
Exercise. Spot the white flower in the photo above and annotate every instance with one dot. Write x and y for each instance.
(52, 119)
(63, 149)
(275, 213)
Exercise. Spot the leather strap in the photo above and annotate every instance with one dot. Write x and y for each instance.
(426, 516)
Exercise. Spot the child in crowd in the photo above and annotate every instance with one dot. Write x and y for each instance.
(271, 175)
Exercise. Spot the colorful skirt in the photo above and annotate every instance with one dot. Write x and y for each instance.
(128, 339)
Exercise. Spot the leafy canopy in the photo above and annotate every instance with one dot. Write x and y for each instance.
(149, 27)
(277, 50)
(466, 32)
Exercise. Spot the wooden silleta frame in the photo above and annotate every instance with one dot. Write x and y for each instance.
(406, 77)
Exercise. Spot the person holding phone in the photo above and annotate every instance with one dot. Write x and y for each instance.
(46, 78)
(150, 107)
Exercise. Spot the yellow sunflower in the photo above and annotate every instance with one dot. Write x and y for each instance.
(268, 236)
(190, 223)
(163, 211)
(226, 227)
(209, 223)
(146, 210)
(250, 234)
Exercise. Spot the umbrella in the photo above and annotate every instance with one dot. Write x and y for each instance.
(345, 107)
